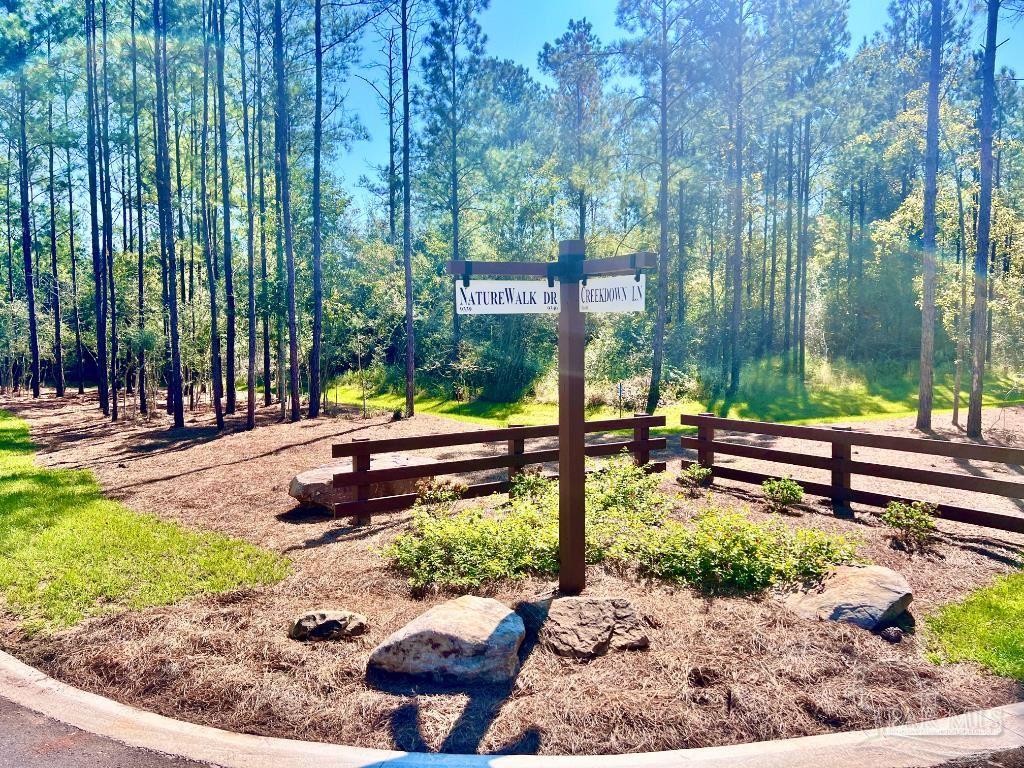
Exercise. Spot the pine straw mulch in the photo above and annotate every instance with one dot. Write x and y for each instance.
(719, 671)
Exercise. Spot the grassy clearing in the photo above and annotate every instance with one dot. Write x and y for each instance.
(67, 553)
(831, 392)
(986, 626)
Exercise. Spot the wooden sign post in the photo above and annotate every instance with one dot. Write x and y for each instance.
(572, 271)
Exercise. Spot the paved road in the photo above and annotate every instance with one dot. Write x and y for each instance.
(28, 740)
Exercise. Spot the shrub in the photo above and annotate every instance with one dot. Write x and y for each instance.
(694, 477)
(627, 524)
(726, 551)
(913, 525)
(781, 493)
(433, 492)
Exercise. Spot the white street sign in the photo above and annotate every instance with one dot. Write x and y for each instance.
(622, 293)
(505, 297)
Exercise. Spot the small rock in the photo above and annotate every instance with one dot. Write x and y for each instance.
(868, 596)
(892, 635)
(327, 625)
(587, 627)
(466, 640)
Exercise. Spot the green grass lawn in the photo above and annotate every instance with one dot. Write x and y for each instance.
(986, 627)
(831, 392)
(67, 553)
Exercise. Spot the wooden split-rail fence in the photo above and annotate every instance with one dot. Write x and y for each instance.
(363, 476)
(842, 466)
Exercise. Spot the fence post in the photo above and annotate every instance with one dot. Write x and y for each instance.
(516, 447)
(841, 455)
(641, 434)
(361, 463)
(705, 454)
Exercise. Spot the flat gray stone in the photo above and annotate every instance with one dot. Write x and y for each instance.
(868, 596)
(466, 640)
(315, 488)
(587, 627)
(323, 624)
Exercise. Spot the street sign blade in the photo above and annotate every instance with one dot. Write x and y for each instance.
(506, 297)
(623, 293)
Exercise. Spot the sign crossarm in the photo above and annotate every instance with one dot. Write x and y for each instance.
(501, 268)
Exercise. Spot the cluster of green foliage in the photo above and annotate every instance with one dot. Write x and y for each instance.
(67, 553)
(627, 525)
(694, 477)
(726, 551)
(987, 627)
(913, 524)
(781, 493)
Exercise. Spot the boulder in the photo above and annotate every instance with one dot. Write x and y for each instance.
(869, 596)
(466, 640)
(587, 627)
(314, 487)
(325, 624)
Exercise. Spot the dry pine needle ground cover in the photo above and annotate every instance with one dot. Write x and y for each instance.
(720, 670)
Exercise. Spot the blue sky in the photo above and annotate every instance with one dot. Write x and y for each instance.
(517, 29)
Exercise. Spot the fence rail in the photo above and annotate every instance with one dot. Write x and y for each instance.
(842, 466)
(362, 476)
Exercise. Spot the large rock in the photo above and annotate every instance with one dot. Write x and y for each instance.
(587, 627)
(315, 487)
(466, 640)
(869, 596)
(325, 624)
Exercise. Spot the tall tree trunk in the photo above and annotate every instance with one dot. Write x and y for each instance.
(737, 226)
(981, 255)
(261, 159)
(58, 346)
(208, 226)
(682, 265)
(225, 195)
(931, 171)
(98, 265)
(141, 241)
(26, 228)
(72, 255)
(163, 186)
(787, 302)
(250, 380)
(410, 340)
(108, 217)
(658, 346)
(318, 296)
(281, 139)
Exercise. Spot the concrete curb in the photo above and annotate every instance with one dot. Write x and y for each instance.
(912, 746)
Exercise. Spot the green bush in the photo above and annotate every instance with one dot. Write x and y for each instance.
(726, 551)
(781, 493)
(694, 477)
(913, 525)
(627, 524)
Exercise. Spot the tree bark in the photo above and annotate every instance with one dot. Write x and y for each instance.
(281, 139)
(981, 256)
(26, 228)
(410, 341)
(931, 170)
(318, 300)
(250, 380)
(225, 195)
(163, 185)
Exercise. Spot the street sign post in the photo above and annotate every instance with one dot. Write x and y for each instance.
(613, 284)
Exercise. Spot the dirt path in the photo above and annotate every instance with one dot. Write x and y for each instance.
(226, 661)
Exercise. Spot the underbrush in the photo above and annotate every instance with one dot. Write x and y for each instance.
(67, 553)
(627, 526)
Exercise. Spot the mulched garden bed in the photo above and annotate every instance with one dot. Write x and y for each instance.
(720, 670)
